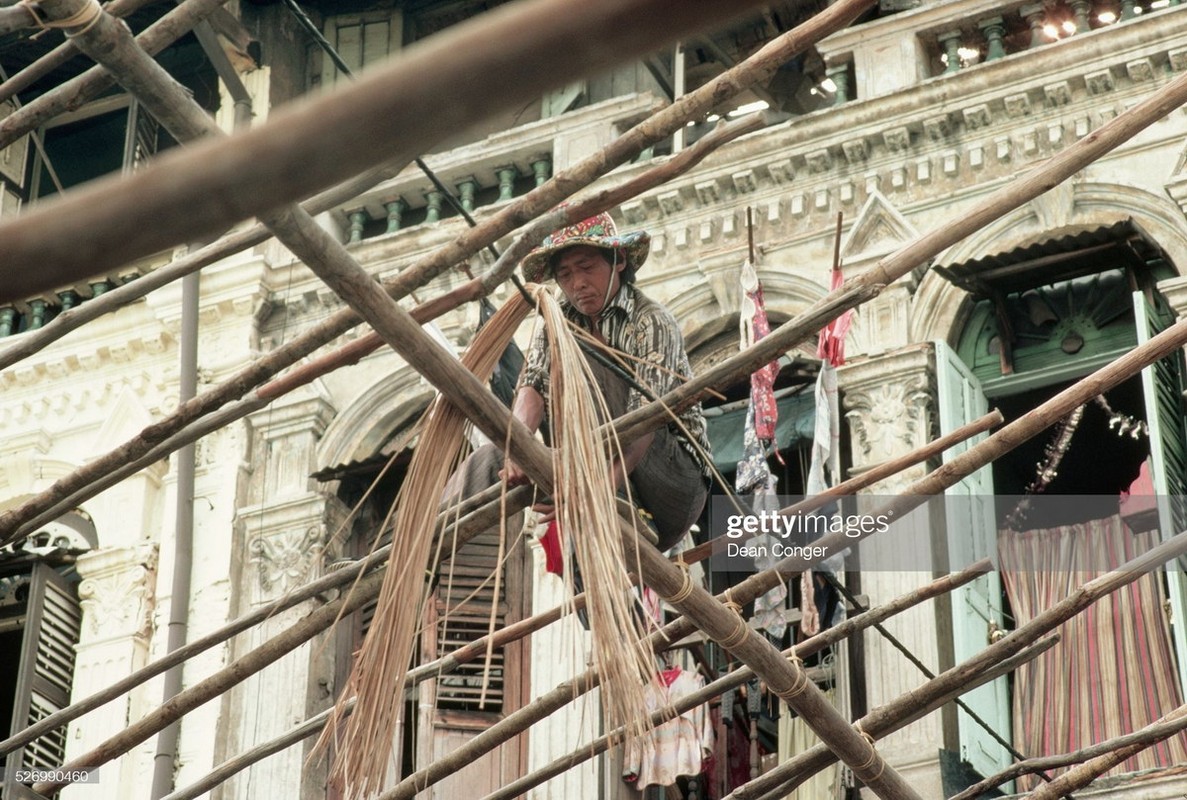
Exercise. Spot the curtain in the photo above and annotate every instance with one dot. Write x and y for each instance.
(1113, 671)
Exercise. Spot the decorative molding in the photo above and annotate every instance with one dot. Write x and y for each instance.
(117, 591)
(286, 559)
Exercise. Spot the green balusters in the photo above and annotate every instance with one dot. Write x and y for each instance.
(839, 75)
(994, 29)
(433, 207)
(7, 321)
(506, 176)
(358, 221)
(542, 168)
(1080, 11)
(69, 299)
(100, 287)
(37, 310)
(950, 44)
(466, 190)
(395, 213)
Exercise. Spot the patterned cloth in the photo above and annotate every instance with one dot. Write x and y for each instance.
(831, 345)
(648, 335)
(753, 325)
(679, 746)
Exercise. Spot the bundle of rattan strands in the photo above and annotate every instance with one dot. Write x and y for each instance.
(364, 740)
(587, 516)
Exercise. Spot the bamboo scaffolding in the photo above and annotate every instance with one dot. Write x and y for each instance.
(537, 202)
(920, 707)
(814, 644)
(60, 55)
(934, 483)
(202, 190)
(163, 438)
(904, 708)
(1115, 750)
(884, 264)
(73, 93)
(474, 521)
(73, 318)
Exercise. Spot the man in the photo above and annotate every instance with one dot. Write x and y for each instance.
(595, 268)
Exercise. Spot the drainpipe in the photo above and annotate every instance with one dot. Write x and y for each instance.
(179, 604)
(179, 607)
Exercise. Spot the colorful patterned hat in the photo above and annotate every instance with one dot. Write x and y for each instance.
(598, 231)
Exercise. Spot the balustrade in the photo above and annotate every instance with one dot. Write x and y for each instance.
(1027, 27)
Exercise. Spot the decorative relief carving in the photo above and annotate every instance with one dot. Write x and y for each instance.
(889, 419)
(1018, 105)
(285, 559)
(744, 181)
(1058, 94)
(856, 150)
(977, 116)
(1178, 59)
(117, 594)
(897, 139)
(1140, 70)
(708, 192)
(782, 171)
(670, 202)
(1100, 82)
(819, 161)
(937, 128)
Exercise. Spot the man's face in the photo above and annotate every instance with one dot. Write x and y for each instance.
(587, 278)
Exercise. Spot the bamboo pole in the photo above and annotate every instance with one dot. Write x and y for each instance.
(162, 438)
(1115, 750)
(203, 189)
(60, 55)
(881, 721)
(737, 677)
(902, 711)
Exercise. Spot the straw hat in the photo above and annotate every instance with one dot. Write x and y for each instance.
(598, 231)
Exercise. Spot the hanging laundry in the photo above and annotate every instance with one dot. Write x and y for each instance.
(831, 345)
(678, 747)
(753, 325)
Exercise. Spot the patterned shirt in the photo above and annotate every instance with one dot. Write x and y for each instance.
(648, 336)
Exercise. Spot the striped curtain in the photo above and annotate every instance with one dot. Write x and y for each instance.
(1113, 671)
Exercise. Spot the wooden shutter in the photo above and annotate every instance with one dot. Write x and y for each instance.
(465, 594)
(52, 624)
(1162, 384)
(972, 534)
(361, 40)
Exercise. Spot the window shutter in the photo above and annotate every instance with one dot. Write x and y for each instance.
(52, 624)
(1162, 383)
(465, 593)
(972, 534)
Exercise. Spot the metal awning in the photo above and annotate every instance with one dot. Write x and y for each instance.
(1062, 255)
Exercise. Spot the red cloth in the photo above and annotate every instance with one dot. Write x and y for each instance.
(831, 345)
(762, 381)
(554, 560)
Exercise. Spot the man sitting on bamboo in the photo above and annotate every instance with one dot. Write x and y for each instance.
(595, 268)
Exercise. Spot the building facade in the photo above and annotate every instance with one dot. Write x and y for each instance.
(900, 124)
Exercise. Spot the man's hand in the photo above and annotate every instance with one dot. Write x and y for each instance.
(512, 475)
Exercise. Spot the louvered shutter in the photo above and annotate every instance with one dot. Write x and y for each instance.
(52, 624)
(465, 593)
(1162, 384)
